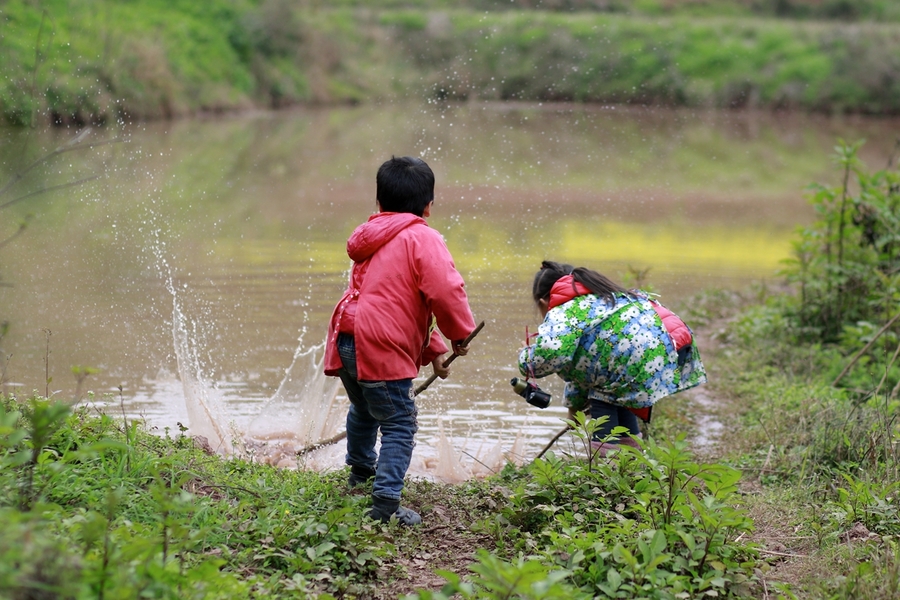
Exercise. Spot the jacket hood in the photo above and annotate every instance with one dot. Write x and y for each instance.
(377, 231)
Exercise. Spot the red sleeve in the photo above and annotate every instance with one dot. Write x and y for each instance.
(678, 331)
(435, 348)
(444, 289)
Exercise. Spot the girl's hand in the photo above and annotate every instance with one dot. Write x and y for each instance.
(439, 369)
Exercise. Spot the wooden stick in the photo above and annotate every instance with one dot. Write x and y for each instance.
(447, 362)
(785, 554)
(337, 438)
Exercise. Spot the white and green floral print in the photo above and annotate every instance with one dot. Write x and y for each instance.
(618, 353)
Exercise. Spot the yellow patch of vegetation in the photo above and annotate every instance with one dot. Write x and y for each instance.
(676, 246)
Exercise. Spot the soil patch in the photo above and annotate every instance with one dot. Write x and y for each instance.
(446, 540)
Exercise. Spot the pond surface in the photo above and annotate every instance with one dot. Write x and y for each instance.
(196, 275)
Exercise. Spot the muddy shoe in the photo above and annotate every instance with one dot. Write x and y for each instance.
(360, 475)
(384, 509)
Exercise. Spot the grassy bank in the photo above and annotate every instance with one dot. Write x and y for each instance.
(96, 60)
(97, 508)
(809, 389)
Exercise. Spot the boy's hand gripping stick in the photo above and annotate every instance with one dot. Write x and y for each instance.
(343, 434)
(449, 360)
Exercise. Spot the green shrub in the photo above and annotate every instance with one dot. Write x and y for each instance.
(95, 506)
(100, 61)
(847, 264)
(634, 524)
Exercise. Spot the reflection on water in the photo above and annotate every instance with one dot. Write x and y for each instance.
(199, 272)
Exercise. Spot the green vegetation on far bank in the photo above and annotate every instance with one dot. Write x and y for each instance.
(98, 60)
(853, 10)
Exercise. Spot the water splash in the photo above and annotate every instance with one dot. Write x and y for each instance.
(206, 417)
(303, 411)
(204, 410)
(305, 408)
(449, 466)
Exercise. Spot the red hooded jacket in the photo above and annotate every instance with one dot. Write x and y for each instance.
(403, 278)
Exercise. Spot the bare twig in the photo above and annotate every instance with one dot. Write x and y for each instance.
(227, 488)
(494, 471)
(862, 351)
(768, 457)
(887, 370)
(70, 146)
(48, 189)
(332, 440)
(893, 156)
(47, 332)
(552, 441)
(785, 554)
(22, 227)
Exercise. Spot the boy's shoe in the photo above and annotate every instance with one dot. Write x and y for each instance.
(384, 509)
(360, 475)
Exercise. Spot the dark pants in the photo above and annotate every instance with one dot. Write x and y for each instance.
(385, 405)
(618, 416)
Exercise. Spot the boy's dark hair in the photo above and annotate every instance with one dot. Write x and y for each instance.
(404, 185)
(596, 282)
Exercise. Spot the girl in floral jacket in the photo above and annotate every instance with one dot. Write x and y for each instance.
(618, 350)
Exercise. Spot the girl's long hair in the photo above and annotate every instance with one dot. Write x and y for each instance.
(595, 282)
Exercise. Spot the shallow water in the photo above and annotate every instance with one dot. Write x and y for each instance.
(208, 255)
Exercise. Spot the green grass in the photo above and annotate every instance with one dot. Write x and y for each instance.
(97, 507)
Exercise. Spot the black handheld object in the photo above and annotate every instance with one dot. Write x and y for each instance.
(533, 395)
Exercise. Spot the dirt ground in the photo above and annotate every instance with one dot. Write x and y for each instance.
(445, 541)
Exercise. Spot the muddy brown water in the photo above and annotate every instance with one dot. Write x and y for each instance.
(197, 273)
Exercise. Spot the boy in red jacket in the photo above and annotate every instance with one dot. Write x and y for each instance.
(403, 282)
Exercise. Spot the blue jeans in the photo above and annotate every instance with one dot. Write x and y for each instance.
(618, 416)
(374, 405)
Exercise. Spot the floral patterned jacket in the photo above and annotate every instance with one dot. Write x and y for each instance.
(619, 353)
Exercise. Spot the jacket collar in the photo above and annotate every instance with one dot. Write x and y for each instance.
(565, 289)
